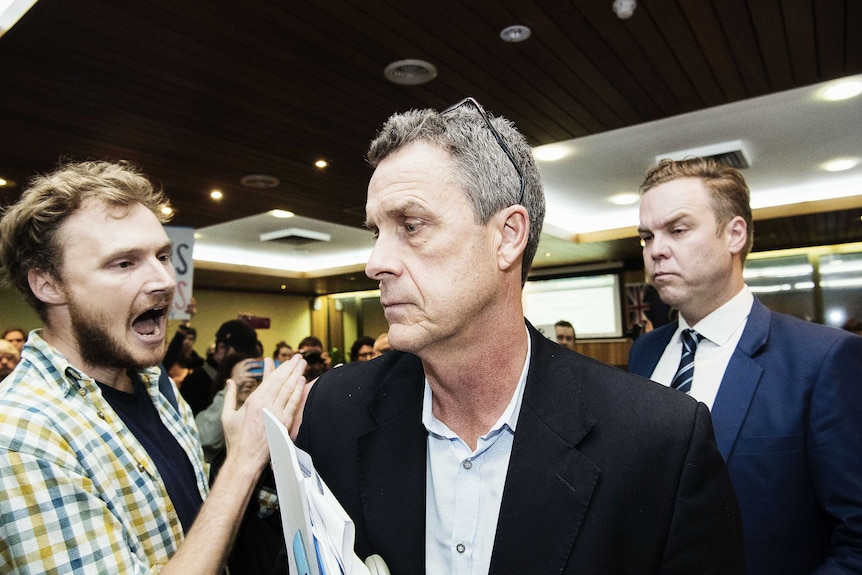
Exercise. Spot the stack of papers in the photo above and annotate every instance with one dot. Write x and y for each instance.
(318, 532)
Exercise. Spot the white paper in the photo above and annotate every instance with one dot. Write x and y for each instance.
(308, 507)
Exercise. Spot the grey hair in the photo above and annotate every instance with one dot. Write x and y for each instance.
(483, 170)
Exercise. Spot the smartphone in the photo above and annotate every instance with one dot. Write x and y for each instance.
(256, 369)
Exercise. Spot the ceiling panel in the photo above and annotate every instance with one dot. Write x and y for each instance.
(200, 93)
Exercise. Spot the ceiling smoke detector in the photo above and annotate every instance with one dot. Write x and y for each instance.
(259, 181)
(410, 72)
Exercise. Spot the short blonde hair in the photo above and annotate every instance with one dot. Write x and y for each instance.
(29, 228)
(726, 186)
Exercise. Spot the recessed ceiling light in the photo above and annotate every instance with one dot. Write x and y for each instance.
(321, 163)
(840, 164)
(3, 182)
(624, 199)
(842, 90)
(216, 194)
(410, 72)
(281, 214)
(550, 152)
(167, 210)
(515, 33)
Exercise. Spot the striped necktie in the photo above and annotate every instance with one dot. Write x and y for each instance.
(685, 372)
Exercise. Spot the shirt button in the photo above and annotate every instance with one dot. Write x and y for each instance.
(467, 464)
(141, 467)
(82, 391)
(460, 548)
(100, 414)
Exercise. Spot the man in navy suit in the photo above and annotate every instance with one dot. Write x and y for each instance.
(478, 445)
(785, 395)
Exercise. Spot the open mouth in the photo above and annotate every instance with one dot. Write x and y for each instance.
(149, 323)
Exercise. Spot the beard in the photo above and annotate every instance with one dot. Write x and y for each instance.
(97, 346)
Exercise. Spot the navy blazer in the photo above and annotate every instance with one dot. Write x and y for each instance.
(788, 421)
(609, 473)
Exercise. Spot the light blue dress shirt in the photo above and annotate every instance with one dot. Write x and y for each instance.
(464, 489)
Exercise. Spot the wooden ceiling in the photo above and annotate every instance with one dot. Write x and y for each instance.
(200, 93)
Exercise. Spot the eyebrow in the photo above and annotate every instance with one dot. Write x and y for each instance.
(168, 246)
(398, 210)
(666, 223)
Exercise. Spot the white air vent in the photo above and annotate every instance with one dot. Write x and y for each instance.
(295, 236)
(728, 153)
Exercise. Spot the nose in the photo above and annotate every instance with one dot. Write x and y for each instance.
(656, 249)
(162, 275)
(383, 261)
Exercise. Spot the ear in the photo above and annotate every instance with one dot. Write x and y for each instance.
(513, 225)
(46, 287)
(737, 234)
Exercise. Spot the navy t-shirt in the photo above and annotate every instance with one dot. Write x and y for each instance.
(140, 416)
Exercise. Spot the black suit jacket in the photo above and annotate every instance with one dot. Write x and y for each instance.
(609, 473)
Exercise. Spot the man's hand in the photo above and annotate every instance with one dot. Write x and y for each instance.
(280, 392)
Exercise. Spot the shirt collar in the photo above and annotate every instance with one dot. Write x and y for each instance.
(54, 366)
(509, 417)
(722, 322)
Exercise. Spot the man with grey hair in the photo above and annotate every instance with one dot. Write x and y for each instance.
(461, 453)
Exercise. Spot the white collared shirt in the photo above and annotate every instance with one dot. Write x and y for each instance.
(464, 489)
(722, 330)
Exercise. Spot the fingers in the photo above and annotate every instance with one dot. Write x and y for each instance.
(229, 397)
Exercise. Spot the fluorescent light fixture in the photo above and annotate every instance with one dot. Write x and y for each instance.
(771, 288)
(791, 271)
(840, 164)
(842, 90)
(281, 214)
(11, 11)
(551, 152)
(625, 198)
(257, 259)
(842, 283)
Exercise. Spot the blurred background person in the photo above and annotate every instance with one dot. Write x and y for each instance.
(16, 336)
(9, 358)
(853, 325)
(233, 336)
(565, 333)
(315, 356)
(381, 345)
(362, 349)
(282, 352)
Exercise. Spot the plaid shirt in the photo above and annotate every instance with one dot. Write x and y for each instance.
(78, 493)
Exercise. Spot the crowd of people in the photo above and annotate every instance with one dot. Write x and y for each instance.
(452, 451)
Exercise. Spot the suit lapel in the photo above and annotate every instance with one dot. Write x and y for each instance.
(650, 349)
(740, 381)
(393, 487)
(549, 484)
